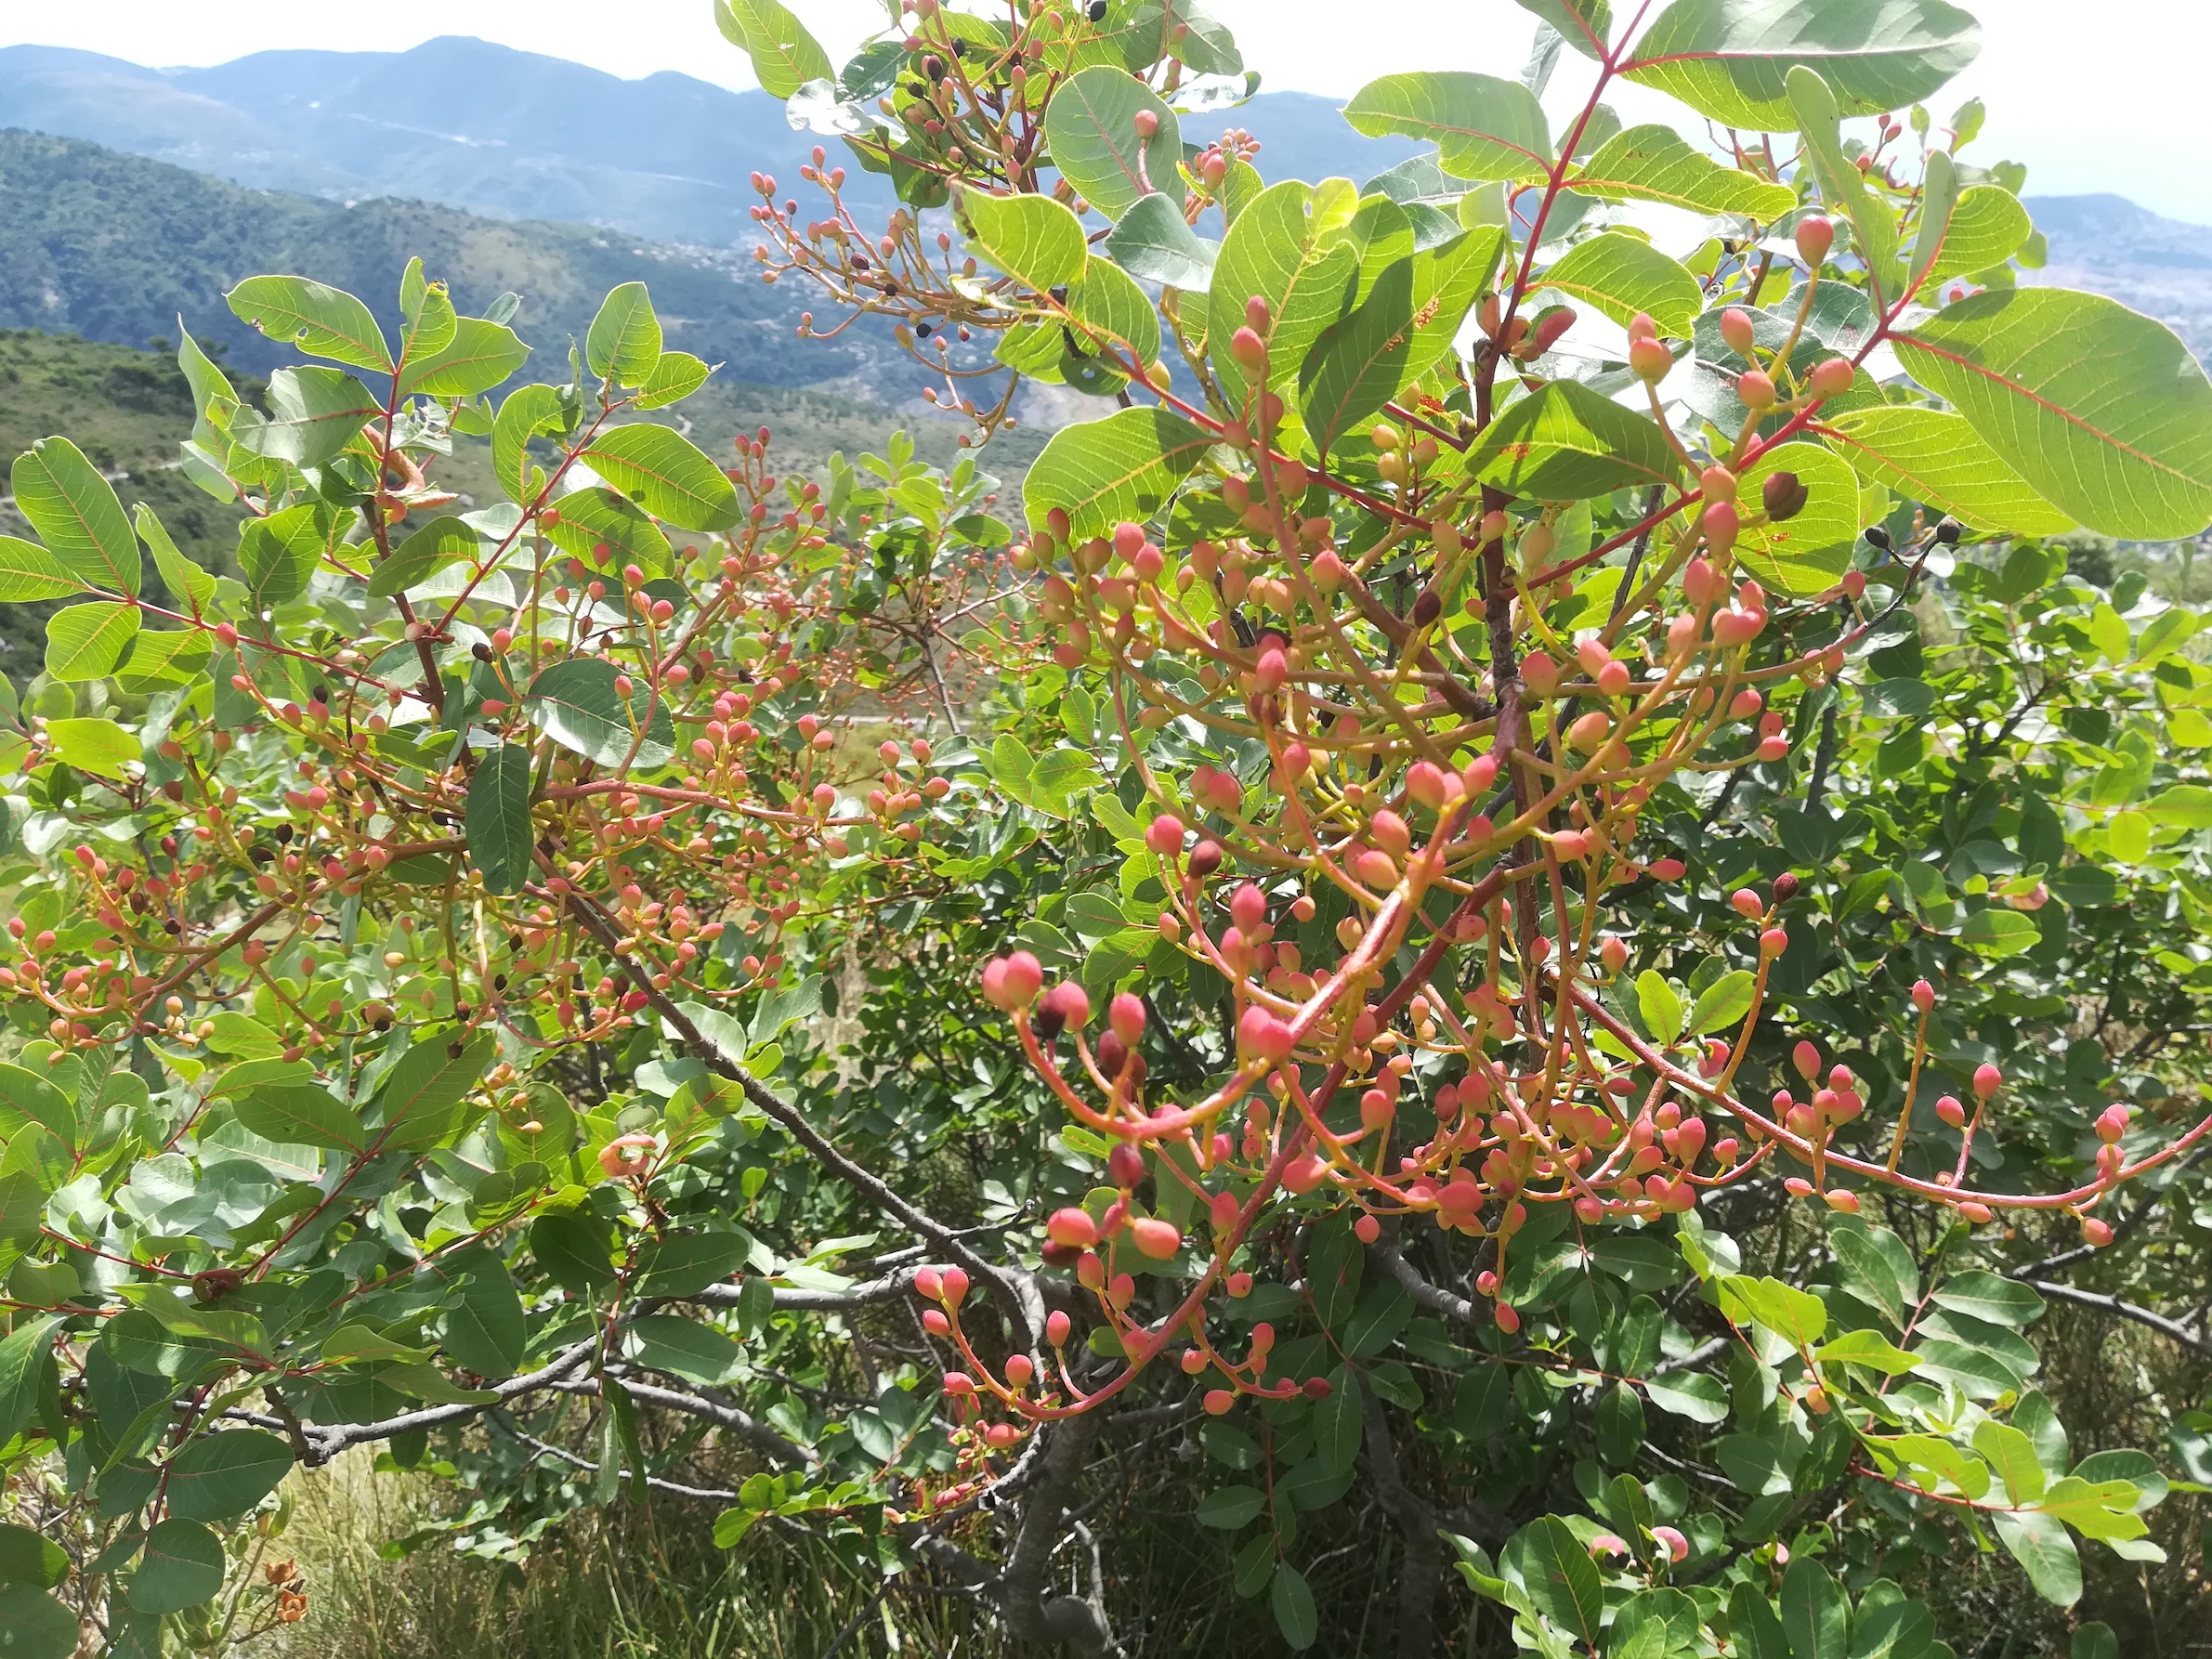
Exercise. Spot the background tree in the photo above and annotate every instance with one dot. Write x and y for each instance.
(1601, 895)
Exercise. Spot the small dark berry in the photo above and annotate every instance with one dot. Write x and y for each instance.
(1949, 532)
(1785, 887)
(1878, 537)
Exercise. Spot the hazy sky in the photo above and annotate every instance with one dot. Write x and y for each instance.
(2108, 95)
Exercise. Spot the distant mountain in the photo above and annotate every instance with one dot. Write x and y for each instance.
(2107, 244)
(514, 134)
(115, 247)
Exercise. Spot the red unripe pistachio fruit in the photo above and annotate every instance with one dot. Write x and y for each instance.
(1642, 327)
(1248, 907)
(1125, 1167)
(2112, 1123)
(1072, 1227)
(1126, 1014)
(1424, 783)
(1747, 902)
(1071, 1002)
(1755, 388)
(1613, 952)
(1205, 858)
(1831, 379)
(959, 1383)
(1020, 1367)
(1976, 1213)
(1951, 1111)
(1366, 1229)
(929, 1283)
(1816, 236)
(1735, 328)
(1164, 835)
(1056, 1327)
(1717, 483)
(1128, 538)
(956, 1287)
(1987, 1081)
(1923, 995)
(1249, 349)
(1507, 1320)
(1650, 360)
(2095, 1233)
(934, 1322)
(1722, 523)
(1154, 1238)
(1806, 1058)
(1785, 887)
(1218, 1402)
(1146, 123)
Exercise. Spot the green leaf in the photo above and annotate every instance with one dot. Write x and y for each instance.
(1337, 1427)
(419, 1094)
(1753, 1628)
(437, 543)
(94, 745)
(1807, 554)
(528, 412)
(28, 571)
(1868, 1348)
(664, 473)
(1229, 1508)
(35, 1625)
(1568, 442)
(1728, 58)
(88, 641)
(188, 584)
(278, 555)
(181, 1567)
(76, 515)
(595, 517)
(1815, 1611)
(1843, 186)
(673, 378)
(1723, 1002)
(1153, 240)
(2102, 411)
(320, 321)
(2039, 1542)
(26, 1557)
(576, 704)
(1560, 1579)
(1291, 1601)
(1797, 1316)
(2184, 805)
(1998, 932)
(1400, 331)
(25, 1354)
(623, 343)
(1986, 1296)
(500, 837)
(313, 413)
(1483, 127)
(1122, 467)
(1292, 247)
(1375, 1323)
(219, 1476)
(479, 356)
(1090, 128)
(426, 310)
(1032, 238)
(2012, 1454)
(1621, 275)
(1110, 312)
(573, 1250)
(1655, 164)
(485, 1330)
(300, 1112)
(1930, 456)
(1660, 1006)
(1988, 226)
(1691, 1395)
(1584, 25)
(1621, 1425)
(684, 1348)
(26, 1097)
(689, 1263)
(785, 57)
(1938, 199)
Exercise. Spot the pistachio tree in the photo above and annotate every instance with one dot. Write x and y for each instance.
(1410, 898)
